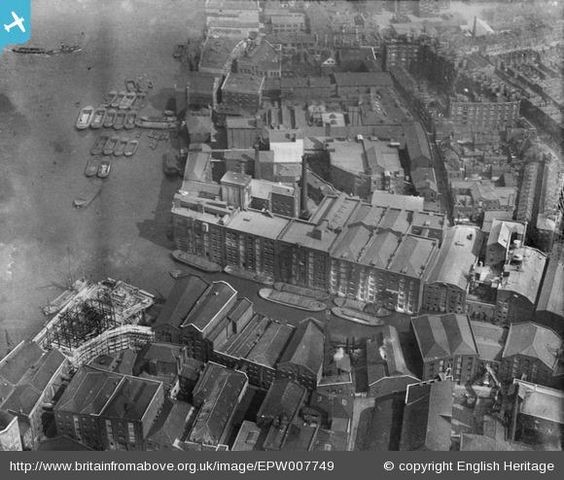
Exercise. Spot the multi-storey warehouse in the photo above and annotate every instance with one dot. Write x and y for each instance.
(348, 248)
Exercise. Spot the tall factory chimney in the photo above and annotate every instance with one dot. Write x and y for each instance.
(304, 211)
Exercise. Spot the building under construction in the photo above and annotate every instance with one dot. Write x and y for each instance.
(82, 326)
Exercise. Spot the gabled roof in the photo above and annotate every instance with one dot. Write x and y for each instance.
(534, 341)
(283, 400)
(24, 375)
(100, 392)
(306, 348)
(210, 304)
(443, 336)
(427, 417)
(218, 389)
(182, 298)
(551, 298)
(384, 356)
(89, 391)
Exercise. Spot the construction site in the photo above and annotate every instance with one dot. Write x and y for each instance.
(81, 328)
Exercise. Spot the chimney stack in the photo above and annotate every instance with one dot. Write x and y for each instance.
(304, 213)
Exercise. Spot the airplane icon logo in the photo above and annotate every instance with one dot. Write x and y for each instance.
(18, 22)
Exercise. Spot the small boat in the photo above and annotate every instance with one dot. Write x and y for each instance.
(104, 168)
(119, 97)
(84, 118)
(196, 261)
(131, 148)
(91, 167)
(139, 102)
(99, 144)
(179, 50)
(356, 316)
(120, 147)
(86, 199)
(178, 274)
(98, 118)
(111, 97)
(110, 145)
(292, 300)
(110, 118)
(128, 101)
(68, 48)
(120, 120)
(130, 85)
(130, 119)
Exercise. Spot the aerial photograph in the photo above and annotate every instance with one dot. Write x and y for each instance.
(282, 226)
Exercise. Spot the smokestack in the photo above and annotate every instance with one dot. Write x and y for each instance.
(304, 213)
(474, 28)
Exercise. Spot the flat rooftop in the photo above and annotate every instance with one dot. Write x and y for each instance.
(257, 223)
(523, 273)
(243, 83)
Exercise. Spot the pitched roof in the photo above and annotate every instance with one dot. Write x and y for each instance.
(306, 348)
(211, 303)
(262, 341)
(24, 375)
(489, 340)
(283, 400)
(535, 341)
(100, 392)
(180, 301)
(427, 417)
(442, 336)
(457, 254)
(551, 298)
(384, 356)
(218, 389)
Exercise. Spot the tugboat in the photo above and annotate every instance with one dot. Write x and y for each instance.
(131, 148)
(196, 261)
(98, 119)
(110, 118)
(84, 118)
(110, 145)
(99, 144)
